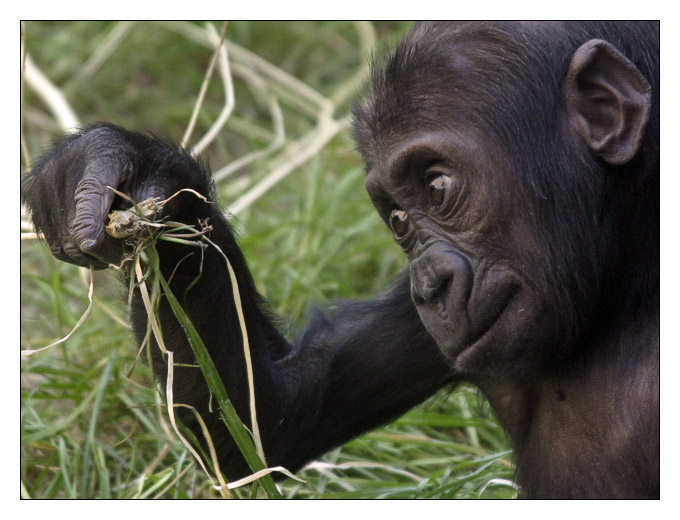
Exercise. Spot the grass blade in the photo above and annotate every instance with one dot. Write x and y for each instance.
(236, 428)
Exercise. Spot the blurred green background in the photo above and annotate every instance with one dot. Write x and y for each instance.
(287, 168)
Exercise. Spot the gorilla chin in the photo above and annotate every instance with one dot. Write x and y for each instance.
(471, 331)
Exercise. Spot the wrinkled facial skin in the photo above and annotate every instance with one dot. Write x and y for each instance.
(452, 209)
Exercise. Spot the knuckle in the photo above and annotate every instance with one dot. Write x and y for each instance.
(89, 189)
(69, 253)
(58, 252)
(72, 250)
(76, 256)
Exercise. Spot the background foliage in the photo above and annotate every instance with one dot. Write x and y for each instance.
(89, 428)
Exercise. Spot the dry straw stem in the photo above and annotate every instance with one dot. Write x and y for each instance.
(321, 466)
(499, 482)
(26, 353)
(171, 413)
(298, 153)
(51, 96)
(246, 351)
(174, 481)
(228, 84)
(103, 52)
(204, 88)
(223, 487)
(148, 306)
(141, 276)
(259, 474)
(276, 142)
(298, 94)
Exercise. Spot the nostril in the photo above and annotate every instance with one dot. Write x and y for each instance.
(430, 292)
(442, 289)
(436, 272)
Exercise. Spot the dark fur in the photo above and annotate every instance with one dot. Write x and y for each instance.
(360, 364)
(311, 395)
(590, 248)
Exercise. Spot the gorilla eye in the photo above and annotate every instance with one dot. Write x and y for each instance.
(399, 222)
(438, 186)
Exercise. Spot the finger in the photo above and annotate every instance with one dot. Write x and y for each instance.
(93, 203)
(69, 252)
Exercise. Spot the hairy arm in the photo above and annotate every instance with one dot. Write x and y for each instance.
(353, 367)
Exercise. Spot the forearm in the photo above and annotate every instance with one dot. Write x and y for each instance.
(199, 280)
(355, 368)
(352, 369)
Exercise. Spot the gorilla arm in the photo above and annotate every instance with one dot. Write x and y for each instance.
(352, 368)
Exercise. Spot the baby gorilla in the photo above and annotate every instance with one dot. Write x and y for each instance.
(517, 165)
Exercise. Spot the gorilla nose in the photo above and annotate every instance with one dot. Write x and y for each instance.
(426, 283)
(439, 269)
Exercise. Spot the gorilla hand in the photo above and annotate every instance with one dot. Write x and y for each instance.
(69, 195)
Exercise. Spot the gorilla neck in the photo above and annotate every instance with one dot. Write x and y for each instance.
(596, 407)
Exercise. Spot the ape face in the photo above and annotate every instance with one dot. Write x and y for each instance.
(451, 207)
(449, 186)
(492, 171)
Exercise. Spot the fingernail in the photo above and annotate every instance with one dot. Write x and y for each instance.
(87, 244)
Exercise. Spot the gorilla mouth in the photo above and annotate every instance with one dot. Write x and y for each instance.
(503, 299)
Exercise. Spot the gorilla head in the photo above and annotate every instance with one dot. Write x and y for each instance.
(499, 155)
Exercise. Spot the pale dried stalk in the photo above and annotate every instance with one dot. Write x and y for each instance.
(149, 308)
(319, 466)
(102, 53)
(204, 88)
(183, 190)
(500, 482)
(299, 153)
(228, 84)
(275, 144)
(51, 95)
(26, 353)
(171, 411)
(260, 474)
(113, 315)
(246, 350)
(173, 481)
(223, 487)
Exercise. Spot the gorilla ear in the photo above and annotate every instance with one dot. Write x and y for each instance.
(608, 101)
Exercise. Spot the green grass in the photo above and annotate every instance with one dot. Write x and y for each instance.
(90, 430)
